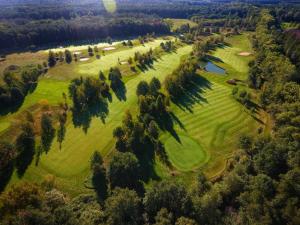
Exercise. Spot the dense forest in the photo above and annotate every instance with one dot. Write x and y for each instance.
(32, 32)
(261, 183)
(31, 26)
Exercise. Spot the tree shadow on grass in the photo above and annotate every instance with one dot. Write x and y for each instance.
(192, 94)
(82, 118)
(23, 161)
(254, 108)
(120, 91)
(146, 157)
(166, 121)
(212, 59)
(12, 106)
(147, 66)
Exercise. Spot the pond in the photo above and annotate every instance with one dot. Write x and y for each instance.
(211, 67)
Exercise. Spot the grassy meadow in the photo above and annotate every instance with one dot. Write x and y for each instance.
(208, 119)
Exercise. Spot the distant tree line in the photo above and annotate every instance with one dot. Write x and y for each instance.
(40, 32)
(170, 9)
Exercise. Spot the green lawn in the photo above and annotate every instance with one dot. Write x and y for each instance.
(93, 65)
(71, 164)
(210, 117)
(51, 85)
(229, 54)
(186, 155)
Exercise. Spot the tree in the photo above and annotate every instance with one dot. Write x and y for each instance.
(61, 132)
(185, 221)
(130, 60)
(99, 176)
(51, 59)
(169, 195)
(123, 170)
(153, 130)
(202, 184)
(142, 88)
(118, 133)
(21, 196)
(7, 154)
(90, 51)
(7, 157)
(61, 56)
(163, 217)
(154, 86)
(96, 158)
(68, 56)
(25, 145)
(86, 209)
(129, 43)
(47, 131)
(160, 105)
(123, 207)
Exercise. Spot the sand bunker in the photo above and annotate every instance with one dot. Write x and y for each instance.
(84, 59)
(77, 53)
(245, 53)
(109, 48)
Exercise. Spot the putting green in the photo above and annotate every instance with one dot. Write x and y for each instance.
(185, 155)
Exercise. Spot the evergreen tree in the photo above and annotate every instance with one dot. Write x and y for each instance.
(68, 56)
(51, 59)
(154, 85)
(25, 145)
(142, 88)
(47, 131)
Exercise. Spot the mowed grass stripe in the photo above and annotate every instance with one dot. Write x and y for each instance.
(72, 161)
(217, 121)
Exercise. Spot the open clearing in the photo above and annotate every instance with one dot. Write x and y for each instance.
(209, 121)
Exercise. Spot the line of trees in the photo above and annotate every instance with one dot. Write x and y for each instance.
(181, 78)
(292, 48)
(16, 83)
(270, 64)
(41, 32)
